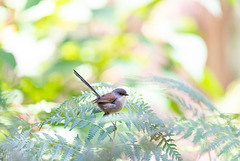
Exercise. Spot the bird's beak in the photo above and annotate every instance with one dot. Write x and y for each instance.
(126, 94)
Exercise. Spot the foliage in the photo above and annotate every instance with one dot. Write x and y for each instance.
(141, 134)
(207, 128)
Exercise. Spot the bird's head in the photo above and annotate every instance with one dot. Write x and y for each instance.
(119, 92)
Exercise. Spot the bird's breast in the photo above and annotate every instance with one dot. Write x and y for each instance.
(114, 107)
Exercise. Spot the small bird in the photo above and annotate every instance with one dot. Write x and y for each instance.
(108, 103)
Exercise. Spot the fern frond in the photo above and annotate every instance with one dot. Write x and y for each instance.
(93, 130)
(77, 143)
(57, 148)
(61, 139)
(233, 144)
(142, 133)
(68, 152)
(42, 149)
(75, 123)
(49, 138)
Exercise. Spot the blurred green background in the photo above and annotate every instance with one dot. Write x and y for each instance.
(113, 41)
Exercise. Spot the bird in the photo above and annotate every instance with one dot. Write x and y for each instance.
(109, 103)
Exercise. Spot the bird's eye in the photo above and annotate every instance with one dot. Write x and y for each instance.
(121, 94)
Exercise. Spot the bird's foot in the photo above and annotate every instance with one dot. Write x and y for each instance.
(115, 127)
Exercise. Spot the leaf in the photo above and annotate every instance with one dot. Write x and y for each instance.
(67, 121)
(31, 3)
(56, 151)
(128, 151)
(110, 129)
(67, 154)
(122, 138)
(147, 155)
(49, 138)
(43, 148)
(59, 119)
(36, 136)
(137, 151)
(61, 140)
(75, 123)
(53, 120)
(157, 153)
(164, 157)
(198, 136)
(79, 157)
(93, 131)
(131, 138)
(102, 136)
(7, 58)
(77, 143)
(126, 120)
(83, 124)
(189, 132)
(31, 144)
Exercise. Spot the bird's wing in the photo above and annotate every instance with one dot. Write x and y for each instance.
(106, 98)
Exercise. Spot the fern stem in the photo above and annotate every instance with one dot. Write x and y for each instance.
(209, 155)
(113, 141)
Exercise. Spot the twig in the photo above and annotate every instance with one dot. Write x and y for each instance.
(113, 140)
(209, 155)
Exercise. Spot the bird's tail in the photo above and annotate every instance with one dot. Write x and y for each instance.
(85, 82)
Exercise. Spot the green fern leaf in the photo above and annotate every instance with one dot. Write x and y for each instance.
(93, 131)
(92, 116)
(102, 136)
(147, 154)
(157, 153)
(75, 123)
(58, 119)
(61, 139)
(164, 157)
(30, 144)
(198, 136)
(126, 120)
(67, 154)
(68, 120)
(189, 132)
(53, 120)
(83, 124)
(236, 157)
(165, 146)
(128, 151)
(90, 107)
(77, 143)
(49, 138)
(122, 138)
(56, 151)
(217, 142)
(110, 129)
(147, 127)
(131, 137)
(22, 143)
(234, 143)
(36, 136)
(83, 112)
(137, 151)
(135, 122)
(79, 157)
(42, 150)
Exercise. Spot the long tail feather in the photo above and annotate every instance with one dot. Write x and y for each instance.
(85, 82)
